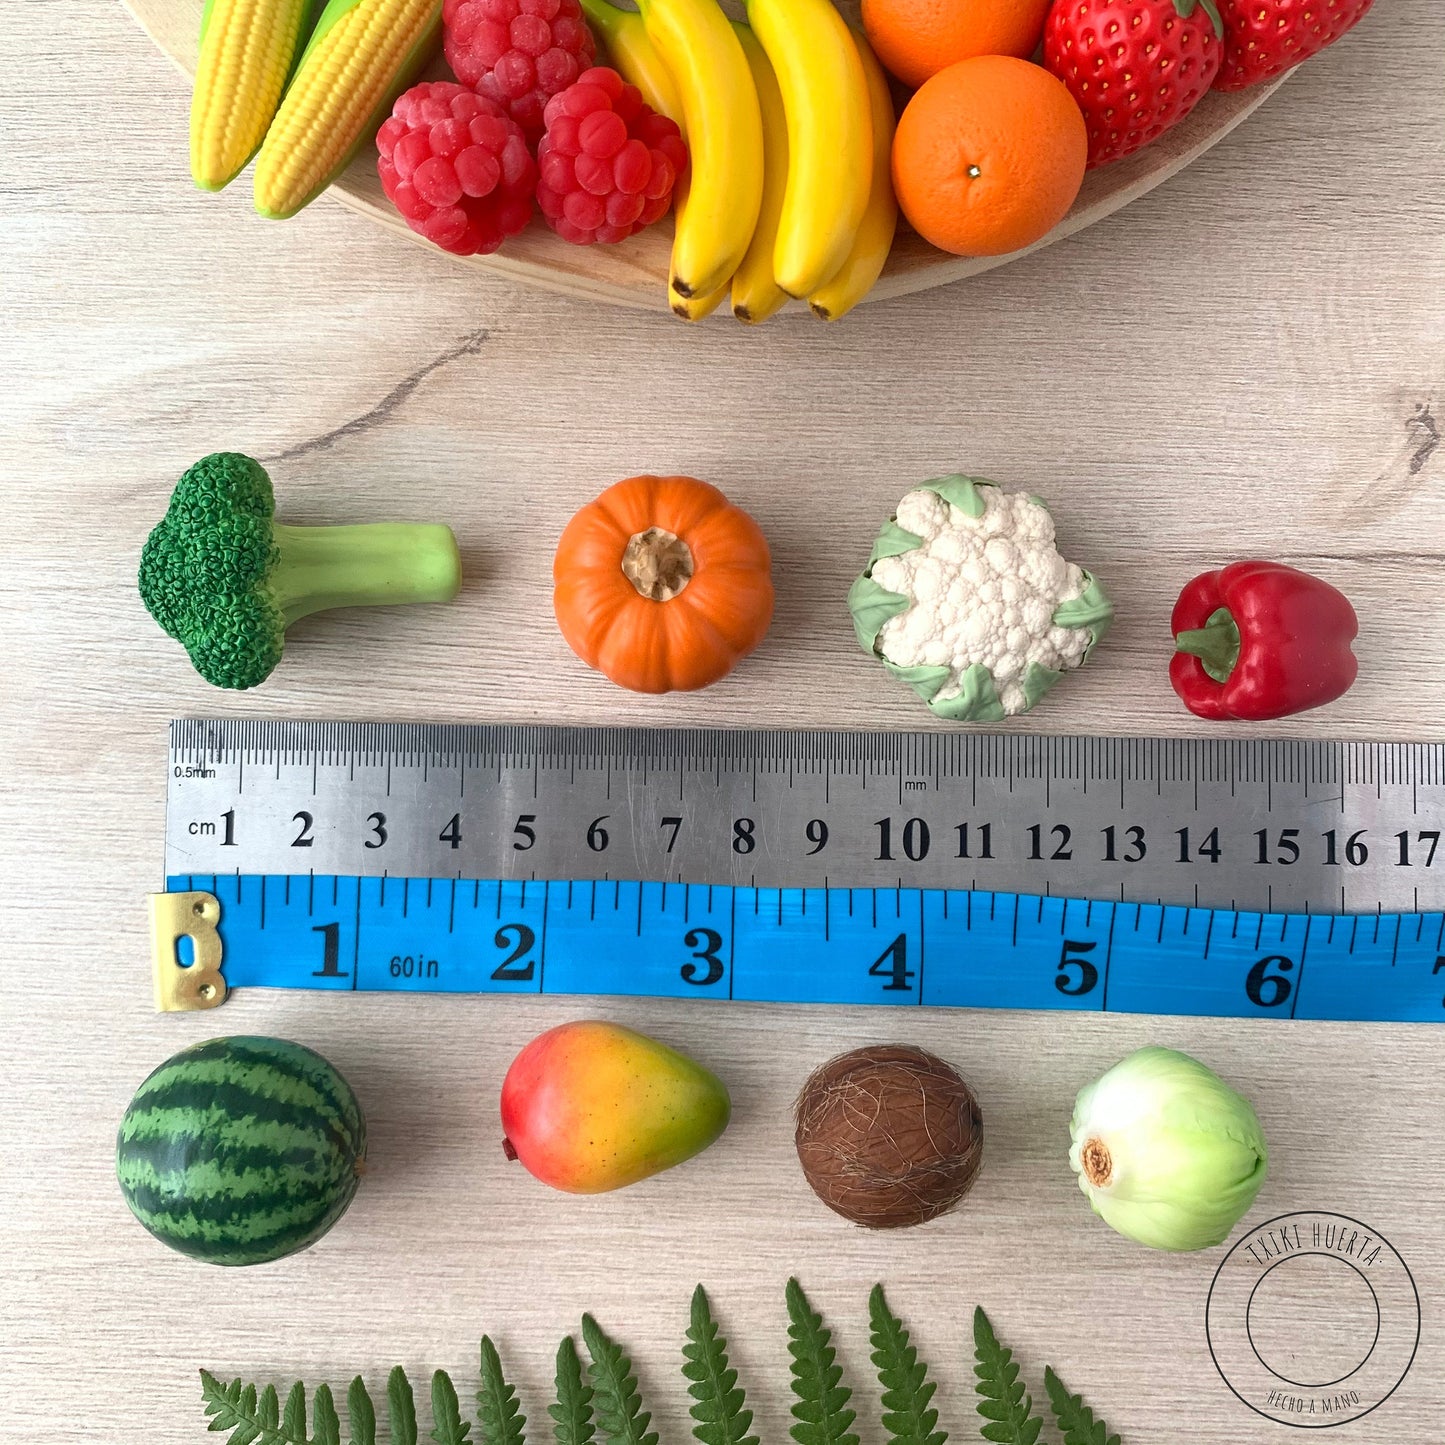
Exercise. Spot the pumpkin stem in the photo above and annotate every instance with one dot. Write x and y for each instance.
(657, 563)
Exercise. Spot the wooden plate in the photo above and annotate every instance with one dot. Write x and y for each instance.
(635, 272)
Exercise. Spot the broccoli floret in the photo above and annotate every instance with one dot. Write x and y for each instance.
(226, 580)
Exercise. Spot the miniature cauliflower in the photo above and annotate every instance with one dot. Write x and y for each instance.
(966, 599)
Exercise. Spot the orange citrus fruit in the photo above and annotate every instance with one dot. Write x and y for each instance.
(988, 156)
(918, 38)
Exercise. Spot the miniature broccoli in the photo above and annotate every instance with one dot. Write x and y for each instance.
(226, 580)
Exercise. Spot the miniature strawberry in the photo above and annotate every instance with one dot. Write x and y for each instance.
(1264, 38)
(1136, 67)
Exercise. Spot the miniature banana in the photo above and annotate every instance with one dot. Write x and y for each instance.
(694, 308)
(830, 143)
(874, 240)
(756, 295)
(635, 58)
(715, 220)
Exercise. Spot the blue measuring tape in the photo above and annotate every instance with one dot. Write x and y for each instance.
(902, 946)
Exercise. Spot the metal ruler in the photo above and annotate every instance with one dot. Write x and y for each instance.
(1285, 879)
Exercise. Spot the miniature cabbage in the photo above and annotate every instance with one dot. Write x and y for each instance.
(1167, 1153)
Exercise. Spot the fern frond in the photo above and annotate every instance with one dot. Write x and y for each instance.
(1003, 1401)
(620, 1415)
(721, 1413)
(572, 1412)
(361, 1413)
(252, 1419)
(401, 1407)
(230, 1407)
(822, 1398)
(325, 1423)
(1076, 1420)
(908, 1417)
(501, 1421)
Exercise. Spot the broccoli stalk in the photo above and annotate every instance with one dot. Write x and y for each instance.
(226, 580)
(379, 564)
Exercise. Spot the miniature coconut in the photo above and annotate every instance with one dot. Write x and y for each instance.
(889, 1135)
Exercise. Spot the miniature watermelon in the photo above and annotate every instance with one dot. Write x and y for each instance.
(241, 1150)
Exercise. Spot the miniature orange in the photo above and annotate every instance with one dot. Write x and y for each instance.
(989, 156)
(918, 38)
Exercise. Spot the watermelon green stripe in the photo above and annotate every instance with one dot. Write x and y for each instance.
(289, 1075)
(232, 1117)
(233, 1107)
(225, 1211)
(256, 1080)
(255, 1172)
(232, 1228)
(241, 1150)
(259, 1170)
(245, 1230)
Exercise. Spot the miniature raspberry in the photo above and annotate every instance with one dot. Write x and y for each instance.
(456, 166)
(608, 162)
(519, 53)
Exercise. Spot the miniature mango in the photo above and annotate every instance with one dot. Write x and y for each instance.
(592, 1106)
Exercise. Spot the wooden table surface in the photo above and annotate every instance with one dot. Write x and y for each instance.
(1250, 361)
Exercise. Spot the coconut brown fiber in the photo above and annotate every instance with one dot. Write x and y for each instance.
(889, 1135)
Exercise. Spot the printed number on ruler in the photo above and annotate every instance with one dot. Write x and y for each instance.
(902, 839)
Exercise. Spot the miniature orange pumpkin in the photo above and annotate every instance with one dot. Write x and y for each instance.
(662, 584)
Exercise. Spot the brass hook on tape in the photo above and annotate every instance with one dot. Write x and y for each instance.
(181, 987)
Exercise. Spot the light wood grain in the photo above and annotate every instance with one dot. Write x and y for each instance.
(635, 272)
(1237, 365)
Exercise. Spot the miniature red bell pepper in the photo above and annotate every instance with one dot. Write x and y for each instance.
(1260, 640)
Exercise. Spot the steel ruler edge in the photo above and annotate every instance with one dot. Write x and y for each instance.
(1223, 823)
(1206, 876)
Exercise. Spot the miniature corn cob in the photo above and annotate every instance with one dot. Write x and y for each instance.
(362, 56)
(248, 51)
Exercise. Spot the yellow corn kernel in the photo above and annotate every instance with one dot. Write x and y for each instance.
(247, 50)
(354, 68)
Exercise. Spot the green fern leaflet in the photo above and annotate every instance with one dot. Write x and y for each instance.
(361, 1413)
(908, 1416)
(446, 1409)
(822, 1398)
(501, 1421)
(401, 1406)
(620, 1416)
(572, 1412)
(325, 1426)
(721, 1409)
(1003, 1402)
(1075, 1418)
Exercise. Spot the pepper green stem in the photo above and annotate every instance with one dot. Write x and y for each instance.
(1216, 644)
(377, 564)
